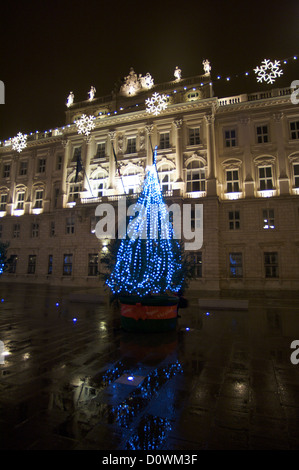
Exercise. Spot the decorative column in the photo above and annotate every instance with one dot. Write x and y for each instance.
(247, 171)
(149, 154)
(62, 200)
(211, 177)
(283, 180)
(112, 166)
(12, 195)
(179, 183)
(89, 152)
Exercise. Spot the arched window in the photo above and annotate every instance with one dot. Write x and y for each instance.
(99, 184)
(166, 176)
(131, 180)
(196, 176)
(75, 189)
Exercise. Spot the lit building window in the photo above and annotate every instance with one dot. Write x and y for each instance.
(232, 181)
(67, 264)
(265, 177)
(101, 150)
(166, 177)
(194, 137)
(75, 190)
(235, 265)
(39, 199)
(6, 170)
(3, 202)
(234, 220)
(294, 130)
(196, 178)
(230, 138)
(131, 181)
(296, 175)
(271, 264)
(31, 264)
(20, 200)
(268, 218)
(93, 264)
(262, 134)
(164, 140)
(131, 145)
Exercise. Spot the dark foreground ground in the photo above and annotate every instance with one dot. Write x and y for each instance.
(223, 380)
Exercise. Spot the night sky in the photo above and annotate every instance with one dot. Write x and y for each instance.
(51, 48)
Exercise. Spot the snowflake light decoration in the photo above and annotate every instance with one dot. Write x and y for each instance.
(85, 124)
(19, 142)
(156, 103)
(268, 71)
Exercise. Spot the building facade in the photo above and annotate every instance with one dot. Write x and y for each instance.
(237, 156)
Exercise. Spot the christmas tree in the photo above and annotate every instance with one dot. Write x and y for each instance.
(149, 260)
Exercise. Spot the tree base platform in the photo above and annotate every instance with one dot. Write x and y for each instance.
(149, 314)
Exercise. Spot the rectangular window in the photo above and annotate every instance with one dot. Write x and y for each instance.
(39, 199)
(56, 195)
(41, 165)
(52, 228)
(6, 170)
(262, 135)
(16, 231)
(164, 140)
(23, 168)
(195, 260)
(194, 138)
(70, 225)
(234, 220)
(59, 162)
(296, 175)
(131, 147)
(35, 230)
(50, 264)
(76, 154)
(294, 130)
(101, 150)
(12, 264)
(3, 202)
(67, 265)
(196, 219)
(20, 201)
(230, 138)
(265, 178)
(93, 264)
(232, 181)
(235, 265)
(31, 264)
(268, 218)
(271, 264)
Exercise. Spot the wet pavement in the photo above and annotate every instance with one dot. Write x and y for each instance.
(72, 379)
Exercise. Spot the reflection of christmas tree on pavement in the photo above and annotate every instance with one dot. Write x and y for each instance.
(148, 269)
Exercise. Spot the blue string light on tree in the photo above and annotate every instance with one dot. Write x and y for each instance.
(149, 258)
